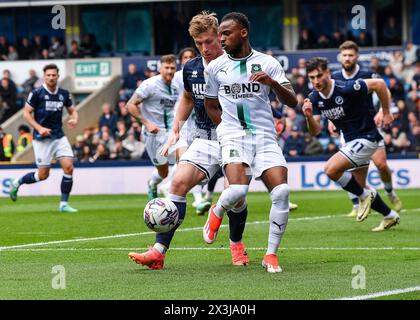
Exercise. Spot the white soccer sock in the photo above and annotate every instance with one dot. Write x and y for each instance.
(391, 215)
(155, 179)
(196, 191)
(63, 203)
(229, 198)
(279, 215)
(162, 249)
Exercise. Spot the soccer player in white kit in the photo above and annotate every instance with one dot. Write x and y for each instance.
(241, 80)
(152, 105)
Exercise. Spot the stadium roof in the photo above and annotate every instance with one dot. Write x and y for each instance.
(39, 3)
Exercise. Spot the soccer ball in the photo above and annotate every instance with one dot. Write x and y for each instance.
(160, 215)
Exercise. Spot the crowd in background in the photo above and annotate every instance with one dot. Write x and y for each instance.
(117, 136)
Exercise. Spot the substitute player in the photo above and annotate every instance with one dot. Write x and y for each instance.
(201, 160)
(152, 105)
(351, 70)
(44, 111)
(347, 106)
(241, 80)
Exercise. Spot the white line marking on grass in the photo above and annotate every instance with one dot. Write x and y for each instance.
(219, 248)
(39, 244)
(382, 294)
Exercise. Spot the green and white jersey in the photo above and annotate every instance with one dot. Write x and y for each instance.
(158, 101)
(245, 105)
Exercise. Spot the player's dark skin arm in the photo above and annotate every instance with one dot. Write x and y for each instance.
(284, 92)
(213, 111)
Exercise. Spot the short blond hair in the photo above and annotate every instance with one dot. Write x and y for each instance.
(203, 22)
(349, 45)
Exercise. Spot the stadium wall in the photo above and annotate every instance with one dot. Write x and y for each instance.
(131, 178)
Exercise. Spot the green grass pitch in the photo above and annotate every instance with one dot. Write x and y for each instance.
(320, 248)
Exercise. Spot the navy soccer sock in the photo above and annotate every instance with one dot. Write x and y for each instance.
(29, 178)
(66, 186)
(379, 205)
(165, 238)
(237, 221)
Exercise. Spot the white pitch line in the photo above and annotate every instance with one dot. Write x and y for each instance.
(223, 249)
(38, 244)
(382, 294)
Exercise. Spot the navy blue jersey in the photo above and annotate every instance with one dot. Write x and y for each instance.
(359, 73)
(347, 107)
(193, 76)
(48, 110)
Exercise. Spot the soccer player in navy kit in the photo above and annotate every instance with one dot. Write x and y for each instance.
(345, 104)
(201, 161)
(44, 112)
(349, 53)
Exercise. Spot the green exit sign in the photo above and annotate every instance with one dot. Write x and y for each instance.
(93, 69)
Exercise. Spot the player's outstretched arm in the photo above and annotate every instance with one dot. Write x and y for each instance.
(29, 118)
(134, 108)
(74, 117)
(212, 108)
(379, 86)
(313, 122)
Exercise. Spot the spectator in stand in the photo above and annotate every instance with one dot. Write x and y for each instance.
(45, 55)
(135, 147)
(376, 66)
(294, 75)
(295, 119)
(108, 118)
(332, 147)
(123, 114)
(57, 50)
(108, 140)
(337, 39)
(7, 147)
(86, 155)
(122, 132)
(302, 66)
(306, 40)
(131, 80)
(400, 140)
(323, 42)
(31, 82)
(119, 152)
(391, 33)
(89, 46)
(415, 83)
(411, 101)
(397, 64)
(25, 50)
(301, 86)
(410, 59)
(7, 75)
(4, 48)
(37, 48)
(75, 52)
(8, 100)
(312, 146)
(25, 138)
(102, 153)
(12, 54)
(294, 144)
(136, 130)
(363, 39)
(389, 146)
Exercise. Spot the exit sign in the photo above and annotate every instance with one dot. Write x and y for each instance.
(93, 69)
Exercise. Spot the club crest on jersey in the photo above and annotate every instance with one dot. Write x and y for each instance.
(233, 153)
(60, 97)
(255, 68)
(339, 100)
(357, 86)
